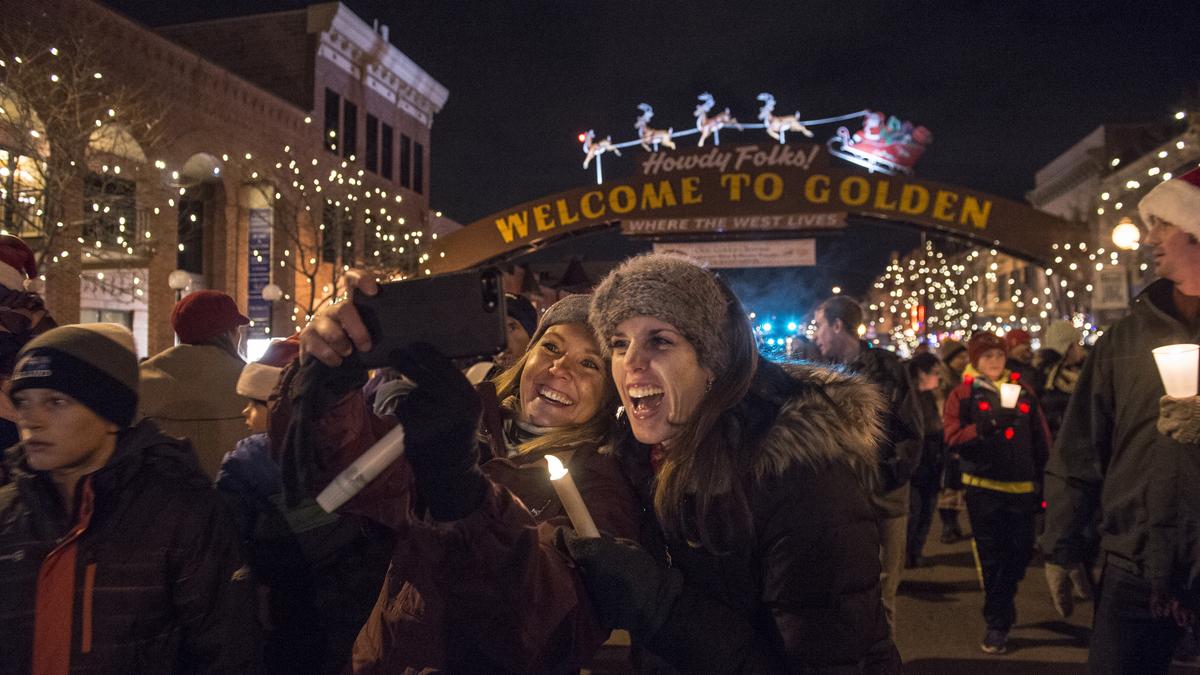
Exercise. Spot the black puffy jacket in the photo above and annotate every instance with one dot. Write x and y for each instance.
(147, 578)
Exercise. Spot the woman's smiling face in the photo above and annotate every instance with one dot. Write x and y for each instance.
(658, 376)
(562, 382)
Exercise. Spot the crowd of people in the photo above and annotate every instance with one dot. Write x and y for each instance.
(754, 515)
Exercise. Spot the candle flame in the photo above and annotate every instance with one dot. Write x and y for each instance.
(555, 465)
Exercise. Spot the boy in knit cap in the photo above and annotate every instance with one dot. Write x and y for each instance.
(115, 553)
(1003, 451)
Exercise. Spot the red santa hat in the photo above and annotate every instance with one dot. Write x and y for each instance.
(258, 379)
(18, 265)
(1176, 201)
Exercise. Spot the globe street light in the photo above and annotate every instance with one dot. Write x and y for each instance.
(179, 280)
(271, 293)
(1126, 235)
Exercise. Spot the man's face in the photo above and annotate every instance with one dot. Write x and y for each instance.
(518, 339)
(1022, 353)
(60, 433)
(826, 336)
(1176, 253)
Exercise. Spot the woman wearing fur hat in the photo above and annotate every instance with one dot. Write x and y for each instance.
(116, 555)
(1003, 453)
(758, 549)
(475, 583)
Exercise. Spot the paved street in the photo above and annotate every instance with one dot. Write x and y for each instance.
(940, 624)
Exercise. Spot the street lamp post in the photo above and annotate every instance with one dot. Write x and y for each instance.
(179, 280)
(271, 293)
(1127, 236)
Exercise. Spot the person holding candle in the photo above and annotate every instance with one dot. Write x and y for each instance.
(1103, 461)
(476, 582)
(1003, 450)
(758, 549)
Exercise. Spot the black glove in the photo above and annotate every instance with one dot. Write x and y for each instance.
(313, 388)
(627, 587)
(441, 420)
(993, 420)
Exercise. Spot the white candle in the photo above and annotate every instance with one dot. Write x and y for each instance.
(1009, 393)
(571, 500)
(365, 469)
(1177, 366)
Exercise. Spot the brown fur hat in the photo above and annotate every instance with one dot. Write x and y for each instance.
(670, 288)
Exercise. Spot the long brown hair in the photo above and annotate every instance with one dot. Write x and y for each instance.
(700, 494)
(596, 432)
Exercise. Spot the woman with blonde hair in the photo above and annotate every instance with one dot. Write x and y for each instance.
(475, 582)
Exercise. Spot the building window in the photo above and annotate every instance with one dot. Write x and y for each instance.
(349, 130)
(372, 153)
(20, 195)
(419, 168)
(385, 161)
(190, 257)
(119, 316)
(405, 161)
(333, 106)
(110, 205)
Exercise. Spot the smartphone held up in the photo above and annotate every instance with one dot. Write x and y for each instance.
(462, 314)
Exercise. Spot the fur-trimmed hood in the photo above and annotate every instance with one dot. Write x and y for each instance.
(839, 421)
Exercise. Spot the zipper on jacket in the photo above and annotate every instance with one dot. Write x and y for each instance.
(89, 585)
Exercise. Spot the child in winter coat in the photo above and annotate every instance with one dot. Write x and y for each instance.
(1003, 451)
(116, 555)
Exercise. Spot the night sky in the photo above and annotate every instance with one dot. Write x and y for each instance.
(1003, 88)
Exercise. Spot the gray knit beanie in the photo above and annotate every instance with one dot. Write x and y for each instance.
(670, 288)
(94, 363)
(569, 309)
(1060, 335)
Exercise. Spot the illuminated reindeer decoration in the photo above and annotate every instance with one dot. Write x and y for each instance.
(712, 125)
(777, 127)
(595, 148)
(651, 136)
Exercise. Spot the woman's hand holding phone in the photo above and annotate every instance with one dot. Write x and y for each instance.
(337, 330)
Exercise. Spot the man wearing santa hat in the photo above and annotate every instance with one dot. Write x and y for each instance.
(23, 316)
(1099, 465)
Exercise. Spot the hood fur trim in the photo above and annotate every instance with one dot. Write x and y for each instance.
(810, 431)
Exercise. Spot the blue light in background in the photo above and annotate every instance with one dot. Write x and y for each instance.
(792, 326)
(766, 327)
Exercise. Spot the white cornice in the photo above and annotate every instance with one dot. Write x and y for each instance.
(352, 45)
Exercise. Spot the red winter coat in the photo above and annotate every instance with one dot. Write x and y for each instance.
(489, 592)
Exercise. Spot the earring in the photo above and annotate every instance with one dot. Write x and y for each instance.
(708, 386)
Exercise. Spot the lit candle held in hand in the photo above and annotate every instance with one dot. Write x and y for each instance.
(1009, 393)
(571, 500)
(1177, 366)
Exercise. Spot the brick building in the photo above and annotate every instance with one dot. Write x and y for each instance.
(290, 145)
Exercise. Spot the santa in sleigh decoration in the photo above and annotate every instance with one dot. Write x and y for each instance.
(887, 147)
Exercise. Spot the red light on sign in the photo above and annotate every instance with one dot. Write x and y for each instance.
(1016, 377)
(1024, 408)
(985, 406)
(1009, 433)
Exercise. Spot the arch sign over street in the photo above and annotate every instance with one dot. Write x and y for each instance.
(759, 187)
